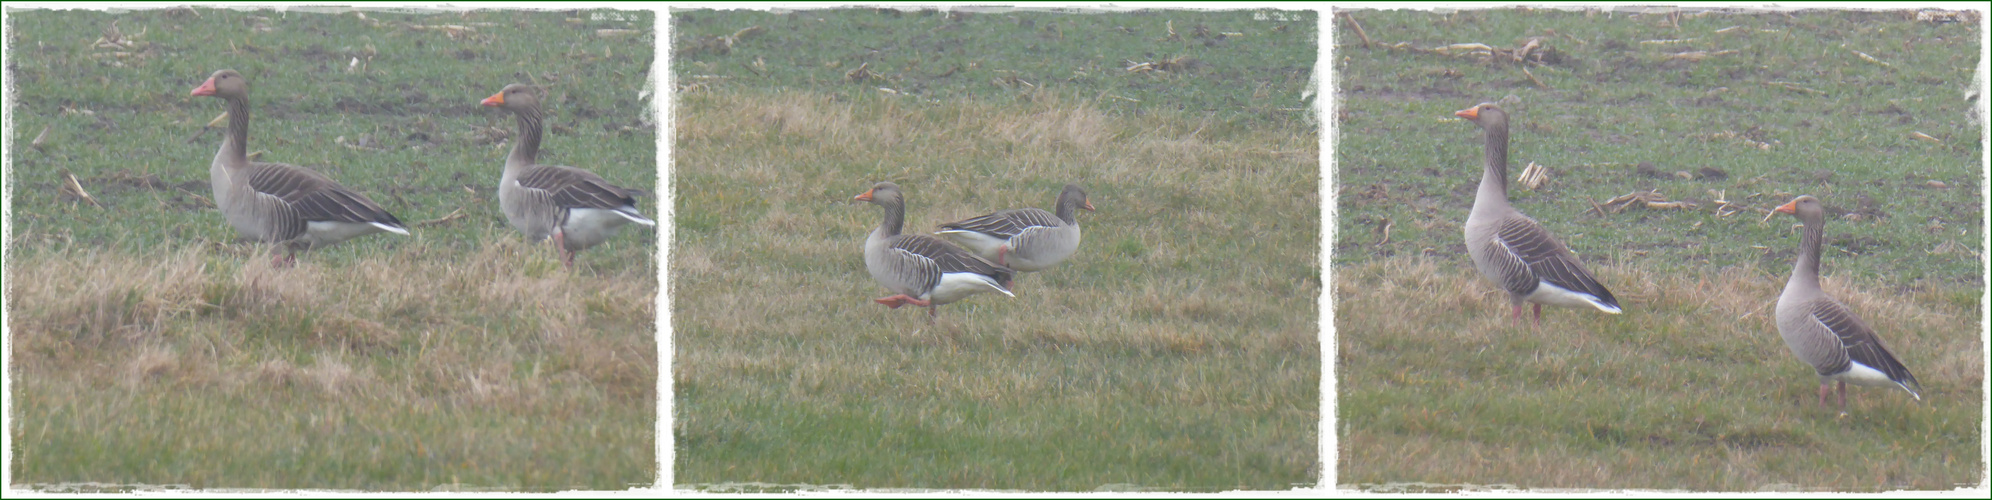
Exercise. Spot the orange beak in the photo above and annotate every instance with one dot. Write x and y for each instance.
(865, 197)
(497, 99)
(1086, 204)
(206, 88)
(1472, 113)
(1788, 208)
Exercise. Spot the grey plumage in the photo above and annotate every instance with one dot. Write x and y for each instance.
(1825, 333)
(288, 205)
(1514, 251)
(1026, 239)
(1530, 257)
(575, 207)
(285, 199)
(919, 269)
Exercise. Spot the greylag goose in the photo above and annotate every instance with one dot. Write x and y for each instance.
(1025, 239)
(287, 205)
(1514, 251)
(1822, 331)
(922, 270)
(575, 207)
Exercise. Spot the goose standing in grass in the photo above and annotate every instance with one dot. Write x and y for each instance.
(575, 207)
(1025, 239)
(287, 205)
(922, 270)
(1822, 331)
(1514, 251)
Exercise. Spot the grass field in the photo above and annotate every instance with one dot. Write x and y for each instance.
(149, 347)
(1176, 351)
(1691, 388)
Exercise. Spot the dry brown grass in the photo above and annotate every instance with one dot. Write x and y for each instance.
(1050, 120)
(1690, 388)
(499, 351)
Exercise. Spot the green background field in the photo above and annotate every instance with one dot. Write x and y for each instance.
(1691, 388)
(152, 348)
(1176, 351)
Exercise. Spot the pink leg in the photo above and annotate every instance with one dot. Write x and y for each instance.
(892, 302)
(1843, 396)
(560, 242)
(1002, 253)
(284, 261)
(1515, 320)
(895, 301)
(1538, 318)
(932, 310)
(1823, 389)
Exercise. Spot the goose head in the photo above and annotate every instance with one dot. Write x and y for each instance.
(223, 84)
(1484, 114)
(516, 97)
(883, 194)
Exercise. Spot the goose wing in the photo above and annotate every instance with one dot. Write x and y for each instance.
(1524, 243)
(315, 197)
(1006, 224)
(944, 258)
(1860, 343)
(569, 187)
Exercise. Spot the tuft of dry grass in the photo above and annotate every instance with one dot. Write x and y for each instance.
(373, 372)
(1176, 350)
(1690, 388)
(1058, 125)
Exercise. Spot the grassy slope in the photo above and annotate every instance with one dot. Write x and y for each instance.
(150, 347)
(1176, 351)
(1691, 388)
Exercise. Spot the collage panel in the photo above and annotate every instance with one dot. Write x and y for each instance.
(1057, 250)
(1730, 214)
(323, 249)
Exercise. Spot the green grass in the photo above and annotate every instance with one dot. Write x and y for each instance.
(1690, 388)
(1177, 350)
(1616, 102)
(151, 347)
(1247, 80)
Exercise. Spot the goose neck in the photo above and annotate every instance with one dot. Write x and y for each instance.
(895, 218)
(235, 147)
(1068, 210)
(1805, 271)
(525, 147)
(1494, 175)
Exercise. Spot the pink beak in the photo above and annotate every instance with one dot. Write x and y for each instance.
(206, 88)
